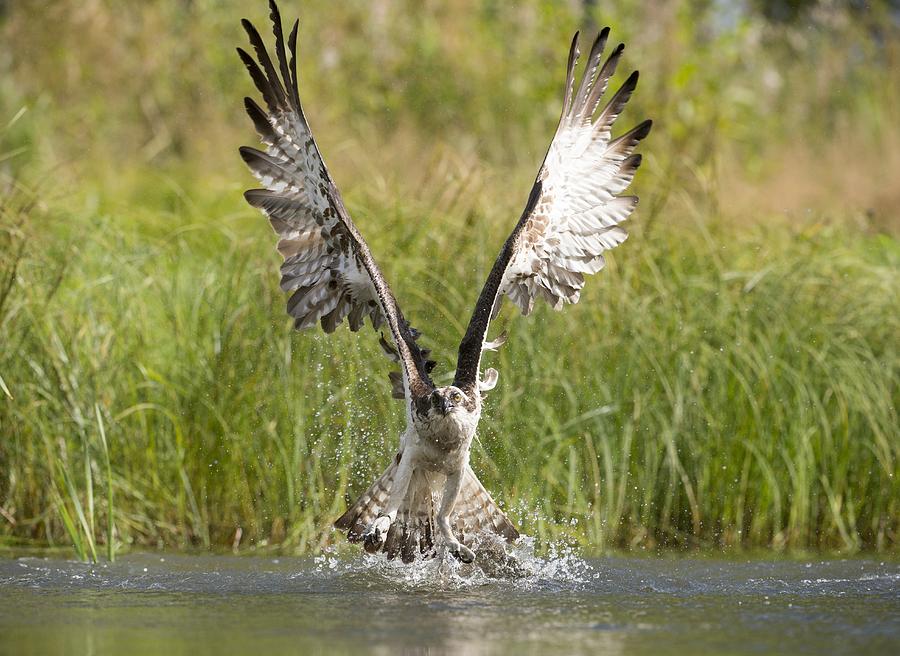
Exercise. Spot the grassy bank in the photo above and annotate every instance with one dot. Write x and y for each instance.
(730, 380)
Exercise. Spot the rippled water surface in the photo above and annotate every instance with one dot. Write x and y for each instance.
(221, 605)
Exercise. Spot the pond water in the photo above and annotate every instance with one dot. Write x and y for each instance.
(188, 604)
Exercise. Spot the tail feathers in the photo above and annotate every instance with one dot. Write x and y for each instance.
(364, 511)
(413, 530)
(476, 511)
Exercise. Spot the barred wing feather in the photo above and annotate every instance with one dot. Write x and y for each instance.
(575, 210)
(327, 266)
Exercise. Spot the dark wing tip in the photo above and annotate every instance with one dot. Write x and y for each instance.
(616, 53)
(292, 37)
(248, 154)
(570, 76)
(599, 42)
(255, 197)
(643, 129)
(573, 53)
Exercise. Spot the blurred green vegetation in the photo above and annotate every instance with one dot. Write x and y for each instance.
(729, 381)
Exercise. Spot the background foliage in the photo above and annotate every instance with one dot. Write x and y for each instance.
(730, 381)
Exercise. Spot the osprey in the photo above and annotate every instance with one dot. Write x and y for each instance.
(429, 494)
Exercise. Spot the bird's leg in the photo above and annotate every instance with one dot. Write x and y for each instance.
(375, 535)
(451, 492)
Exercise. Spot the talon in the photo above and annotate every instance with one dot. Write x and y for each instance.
(462, 552)
(373, 539)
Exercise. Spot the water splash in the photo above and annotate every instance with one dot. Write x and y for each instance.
(496, 563)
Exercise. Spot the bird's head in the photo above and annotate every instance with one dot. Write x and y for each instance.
(444, 400)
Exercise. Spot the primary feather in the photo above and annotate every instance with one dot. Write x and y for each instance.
(327, 264)
(575, 210)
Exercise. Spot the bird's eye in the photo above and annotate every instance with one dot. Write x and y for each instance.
(456, 397)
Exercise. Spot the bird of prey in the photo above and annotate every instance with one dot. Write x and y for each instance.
(429, 500)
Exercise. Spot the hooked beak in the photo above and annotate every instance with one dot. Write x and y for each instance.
(442, 404)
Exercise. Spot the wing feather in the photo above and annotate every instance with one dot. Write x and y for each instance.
(327, 266)
(575, 210)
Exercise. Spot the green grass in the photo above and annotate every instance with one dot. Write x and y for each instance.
(729, 381)
(716, 386)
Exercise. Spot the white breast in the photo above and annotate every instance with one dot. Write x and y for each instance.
(443, 442)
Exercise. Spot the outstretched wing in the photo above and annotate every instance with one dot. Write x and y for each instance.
(574, 210)
(327, 264)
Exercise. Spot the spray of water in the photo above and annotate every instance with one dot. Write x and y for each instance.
(496, 562)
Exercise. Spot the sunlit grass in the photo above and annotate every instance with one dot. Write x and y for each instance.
(716, 386)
